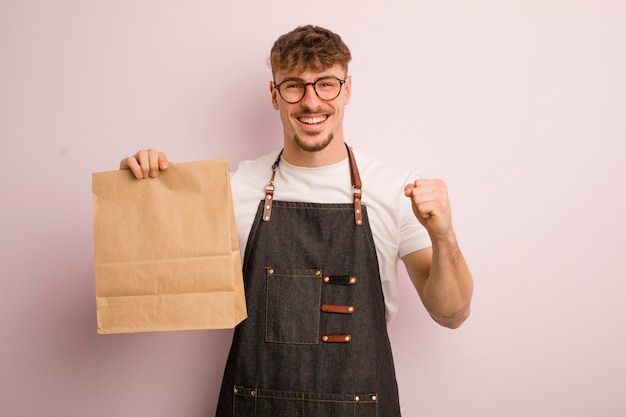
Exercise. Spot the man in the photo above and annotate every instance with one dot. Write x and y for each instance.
(322, 228)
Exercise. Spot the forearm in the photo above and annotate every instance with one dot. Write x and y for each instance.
(447, 290)
(440, 273)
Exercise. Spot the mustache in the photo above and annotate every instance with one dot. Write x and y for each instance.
(309, 112)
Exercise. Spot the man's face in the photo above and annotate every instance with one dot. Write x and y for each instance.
(312, 123)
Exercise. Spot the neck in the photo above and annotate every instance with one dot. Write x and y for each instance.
(333, 153)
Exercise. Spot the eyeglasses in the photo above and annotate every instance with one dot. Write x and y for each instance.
(327, 88)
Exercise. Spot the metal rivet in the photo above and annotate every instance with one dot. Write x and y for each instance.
(267, 207)
(235, 390)
(266, 218)
(359, 222)
(358, 211)
(325, 338)
(326, 279)
(347, 338)
(352, 280)
(270, 271)
(356, 398)
(324, 307)
(351, 309)
(253, 393)
(374, 398)
(268, 197)
(318, 273)
(357, 200)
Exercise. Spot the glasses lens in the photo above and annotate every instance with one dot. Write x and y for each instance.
(292, 91)
(327, 88)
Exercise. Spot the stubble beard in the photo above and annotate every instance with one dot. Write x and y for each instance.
(315, 147)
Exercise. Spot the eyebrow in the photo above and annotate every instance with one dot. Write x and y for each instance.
(304, 81)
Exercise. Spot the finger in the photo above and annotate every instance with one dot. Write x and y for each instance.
(153, 162)
(131, 164)
(426, 185)
(143, 163)
(135, 167)
(164, 163)
(419, 185)
(427, 210)
(431, 189)
(421, 194)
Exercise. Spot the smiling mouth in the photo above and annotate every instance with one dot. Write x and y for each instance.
(312, 120)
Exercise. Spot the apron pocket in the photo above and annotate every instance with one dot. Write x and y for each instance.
(292, 306)
(257, 402)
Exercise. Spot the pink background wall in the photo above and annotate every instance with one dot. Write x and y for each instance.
(519, 105)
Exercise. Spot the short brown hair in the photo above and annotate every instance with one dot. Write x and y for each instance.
(309, 48)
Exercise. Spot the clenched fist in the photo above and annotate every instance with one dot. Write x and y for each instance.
(429, 199)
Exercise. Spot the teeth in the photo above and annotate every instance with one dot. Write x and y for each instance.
(313, 120)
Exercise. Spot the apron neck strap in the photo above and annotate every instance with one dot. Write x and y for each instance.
(269, 190)
(356, 188)
(355, 178)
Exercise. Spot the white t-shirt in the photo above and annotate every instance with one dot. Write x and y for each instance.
(395, 230)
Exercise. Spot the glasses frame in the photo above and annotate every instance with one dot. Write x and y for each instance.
(341, 83)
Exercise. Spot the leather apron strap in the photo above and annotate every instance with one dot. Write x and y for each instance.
(354, 177)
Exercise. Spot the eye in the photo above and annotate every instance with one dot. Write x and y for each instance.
(293, 85)
(327, 84)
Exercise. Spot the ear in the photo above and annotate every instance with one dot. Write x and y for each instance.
(274, 94)
(347, 87)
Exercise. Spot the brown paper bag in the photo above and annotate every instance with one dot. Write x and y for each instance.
(166, 250)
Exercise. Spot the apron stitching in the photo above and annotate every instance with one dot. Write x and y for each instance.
(287, 207)
(253, 231)
(370, 241)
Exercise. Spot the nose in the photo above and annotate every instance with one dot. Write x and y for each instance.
(310, 99)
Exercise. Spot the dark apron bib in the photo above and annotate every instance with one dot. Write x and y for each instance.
(315, 341)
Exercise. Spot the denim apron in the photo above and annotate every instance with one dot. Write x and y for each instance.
(315, 341)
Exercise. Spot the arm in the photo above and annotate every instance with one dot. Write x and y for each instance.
(146, 163)
(439, 274)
